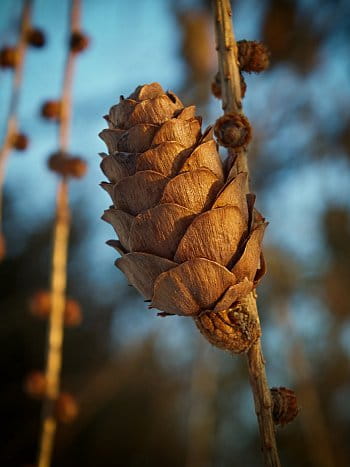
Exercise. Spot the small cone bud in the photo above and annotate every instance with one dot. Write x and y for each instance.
(233, 131)
(35, 384)
(253, 56)
(67, 166)
(66, 408)
(79, 42)
(285, 405)
(230, 329)
(51, 110)
(76, 167)
(36, 38)
(8, 57)
(40, 304)
(72, 313)
(20, 141)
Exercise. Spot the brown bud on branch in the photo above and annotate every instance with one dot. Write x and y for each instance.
(253, 56)
(8, 57)
(20, 141)
(233, 130)
(232, 329)
(40, 306)
(66, 408)
(285, 405)
(35, 385)
(51, 110)
(79, 42)
(36, 37)
(67, 166)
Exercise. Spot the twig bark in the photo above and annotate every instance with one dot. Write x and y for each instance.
(11, 127)
(58, 267)
(231, 102)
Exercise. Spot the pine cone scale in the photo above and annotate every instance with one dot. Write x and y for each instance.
(166, 158)
(121, 222)
(251, 256)
(195, 190)
(159, 230)
(139, 192)
(213, 235)
(142, 270)
(118, 165)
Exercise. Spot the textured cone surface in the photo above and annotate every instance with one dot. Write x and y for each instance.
(230, 329)
(190, 240)
(285, 405)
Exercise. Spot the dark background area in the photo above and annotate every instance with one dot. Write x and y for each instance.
(151, 390)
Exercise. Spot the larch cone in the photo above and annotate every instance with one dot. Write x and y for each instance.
(189, 236)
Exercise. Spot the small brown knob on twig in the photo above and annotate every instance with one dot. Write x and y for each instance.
(51, 109)
(72, 313)
(253, 56)
(35, 384)
(78, 42)
(8, 57)
(40, 307)
(40, 304)
(66, 408)
(285, 405)
(67, 166)
(20, 141)
(233, 130)
(36, 38)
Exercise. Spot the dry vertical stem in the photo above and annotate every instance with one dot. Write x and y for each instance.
(58, 267)
(11, 128)
(231, 100)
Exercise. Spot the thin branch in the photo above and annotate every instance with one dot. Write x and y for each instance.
(11, 127)
(58, 268)
(231, 102)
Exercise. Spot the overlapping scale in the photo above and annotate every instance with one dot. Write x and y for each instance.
(139, 192)
(185, 291)
(195, 190)
(214, 235)
(142, 269)
(160, 229)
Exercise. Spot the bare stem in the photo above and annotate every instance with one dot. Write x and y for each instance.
(58, 269)
(231, 102)
(11, 127)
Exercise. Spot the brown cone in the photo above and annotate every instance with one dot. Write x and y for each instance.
(186, 234)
